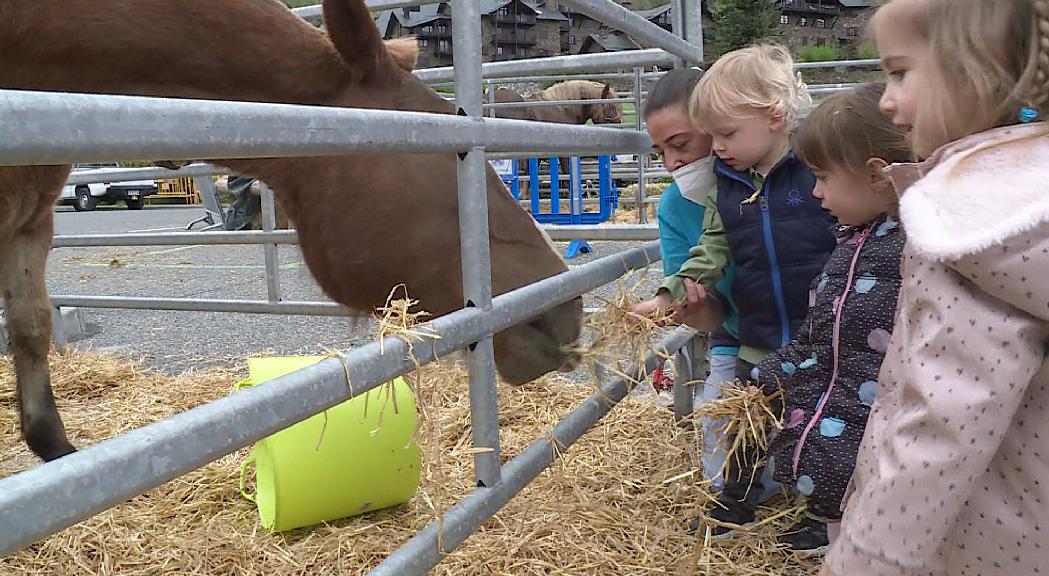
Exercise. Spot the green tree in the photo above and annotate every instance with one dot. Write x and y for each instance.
(867, 51)
(825, 53)
(740, 23)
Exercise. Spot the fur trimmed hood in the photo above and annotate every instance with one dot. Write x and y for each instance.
(975, 193)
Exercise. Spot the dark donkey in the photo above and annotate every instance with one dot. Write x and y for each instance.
(365, 223)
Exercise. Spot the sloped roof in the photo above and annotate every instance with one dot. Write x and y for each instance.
(614, 42)
(545, 14)
(489, 6)
(427, 13)
(654, 12)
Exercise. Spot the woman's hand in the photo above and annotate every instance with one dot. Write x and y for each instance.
(646, 308)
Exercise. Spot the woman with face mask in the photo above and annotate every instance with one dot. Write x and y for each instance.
(682, 217)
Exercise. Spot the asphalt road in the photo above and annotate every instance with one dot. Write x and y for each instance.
(176, 341)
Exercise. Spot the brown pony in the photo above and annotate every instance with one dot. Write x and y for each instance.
(610, 113)
(365, 223)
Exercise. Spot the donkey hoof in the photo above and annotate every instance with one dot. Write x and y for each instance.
(58, 452)
(49, 449)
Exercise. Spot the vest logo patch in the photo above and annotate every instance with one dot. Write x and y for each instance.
(794, 198)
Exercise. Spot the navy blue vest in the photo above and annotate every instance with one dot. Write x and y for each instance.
(779, 243)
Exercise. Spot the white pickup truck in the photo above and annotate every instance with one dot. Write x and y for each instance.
(85, 197)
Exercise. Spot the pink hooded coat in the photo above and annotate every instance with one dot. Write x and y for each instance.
(952, 476)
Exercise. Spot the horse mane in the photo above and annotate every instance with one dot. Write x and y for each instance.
(404, 51)
(573, 90)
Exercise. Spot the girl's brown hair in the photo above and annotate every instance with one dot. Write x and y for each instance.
(847, 129)
(992, 58)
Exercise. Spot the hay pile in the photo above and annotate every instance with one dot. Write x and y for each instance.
(748, 418)
(617, 503)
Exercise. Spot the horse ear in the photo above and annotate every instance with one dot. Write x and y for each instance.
(404, 51)
(355, 36)
(607, 92)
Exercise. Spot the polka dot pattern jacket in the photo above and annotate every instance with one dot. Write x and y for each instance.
(952, 477)
(829, 372)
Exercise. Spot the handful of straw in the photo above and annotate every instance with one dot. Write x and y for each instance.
(621, 336)
(749, 417)
(396, 319)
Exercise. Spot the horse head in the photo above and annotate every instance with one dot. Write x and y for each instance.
(368, 223)
(610, 113)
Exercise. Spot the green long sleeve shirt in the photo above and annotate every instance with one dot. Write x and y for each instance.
(710, 257)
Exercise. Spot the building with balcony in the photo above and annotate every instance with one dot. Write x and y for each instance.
(513, 29)
(823, 22)
(510, 29)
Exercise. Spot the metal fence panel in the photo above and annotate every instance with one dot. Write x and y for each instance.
(59, 128)
(40, 501)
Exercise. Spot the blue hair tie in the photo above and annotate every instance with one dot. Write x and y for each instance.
(1028, 114)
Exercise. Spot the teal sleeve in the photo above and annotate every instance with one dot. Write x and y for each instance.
(680, 225)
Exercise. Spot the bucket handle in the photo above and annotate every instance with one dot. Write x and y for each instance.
(244, 476)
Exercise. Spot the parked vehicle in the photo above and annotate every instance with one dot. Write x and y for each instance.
(85, 197)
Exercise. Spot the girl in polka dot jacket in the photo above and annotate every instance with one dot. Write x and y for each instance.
(828, 373)
(952, 476)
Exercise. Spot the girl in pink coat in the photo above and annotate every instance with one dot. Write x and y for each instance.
(952, 476)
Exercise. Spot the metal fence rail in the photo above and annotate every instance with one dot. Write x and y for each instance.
(611, 232)
(52, 496)
(615, 232)
(558, 64)
(273, 306)
(54, 128)
(474, 246)
(547, 103)
(637, 27)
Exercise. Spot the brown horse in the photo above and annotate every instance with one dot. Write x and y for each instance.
(365, 223)
(610, 113)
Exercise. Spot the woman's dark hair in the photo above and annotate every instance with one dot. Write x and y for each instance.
(673, 89)
(848, 129)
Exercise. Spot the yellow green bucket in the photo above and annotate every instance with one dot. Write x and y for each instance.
(358, 457)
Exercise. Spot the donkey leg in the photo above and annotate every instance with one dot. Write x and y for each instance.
(28, 312)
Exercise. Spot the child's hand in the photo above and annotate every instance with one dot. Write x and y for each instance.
(698, 310)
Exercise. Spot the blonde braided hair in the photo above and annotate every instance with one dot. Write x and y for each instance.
(1040, 54)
